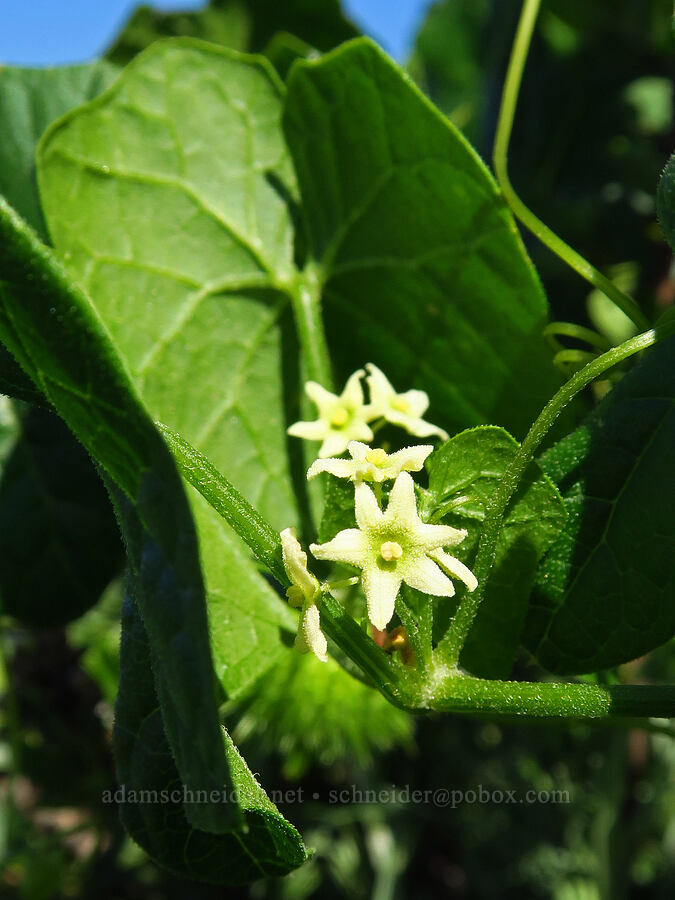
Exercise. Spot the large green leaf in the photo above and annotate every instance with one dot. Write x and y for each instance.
(166, 198)
(52, 329)
(59, 542)
(154, 814)
(463, 475)
(30, 100)
(423, 269)
(604, 594)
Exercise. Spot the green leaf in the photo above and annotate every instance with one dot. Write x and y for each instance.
(423, 270)
(186, 252)
(54, 332)
(150, 810)
(59, 542)
(338, 509)
(604, 591)
(14, 382)
(463, 475)
(665, 201)
(30, 100)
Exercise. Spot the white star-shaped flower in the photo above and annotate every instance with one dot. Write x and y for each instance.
(372, 463)
(404, 410)
(303, 593)
(396, 546)
(341, 419)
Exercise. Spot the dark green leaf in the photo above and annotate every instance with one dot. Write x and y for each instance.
(665, 201)
(59, 542)
(463, 475)
(423, 270)
(604, 593)
(155, 816)
(52, 329)
(228, 25)
(338, 510)
(240, 25)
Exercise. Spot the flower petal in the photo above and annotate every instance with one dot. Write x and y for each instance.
(432, 536)
(357, 450)
(414, 425)
(320, 396)
(295, 563)
(417, 401)
(334, 444)
(348, 546)
(380, 588)
(310, 431)
(358, 430)
(352, 395)
(455, 568)
(424, 575)
(410, 459)
(402, 505)
(366, 507)
(310, 636)
(341, 468)
(381, 390)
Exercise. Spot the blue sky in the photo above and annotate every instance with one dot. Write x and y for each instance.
(56, 32)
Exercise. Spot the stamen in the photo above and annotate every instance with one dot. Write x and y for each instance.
(390, 551)
(340, 417)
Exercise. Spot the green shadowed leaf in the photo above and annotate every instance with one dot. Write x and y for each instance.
(665, 201)
(187, 254)
(153, 813)
(423, 270)
(59, 339)
(59, 542)
(604, 592)
(30, 100)
(463, 475)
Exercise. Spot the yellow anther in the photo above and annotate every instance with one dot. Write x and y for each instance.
(390, 550)
(376, 456)
(340, 417)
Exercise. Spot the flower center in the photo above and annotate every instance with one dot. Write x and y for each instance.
(377, 456)
(401, 404)
(339, 418)
(390, 551)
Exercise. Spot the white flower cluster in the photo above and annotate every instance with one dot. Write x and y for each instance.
(391, 546)
(346, 417)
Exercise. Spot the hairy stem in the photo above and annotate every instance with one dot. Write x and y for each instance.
(451, 645)
(507, 111)
(551, 699)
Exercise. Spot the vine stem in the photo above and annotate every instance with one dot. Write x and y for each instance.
(451, 645)
(306, 302)
(507, 111)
